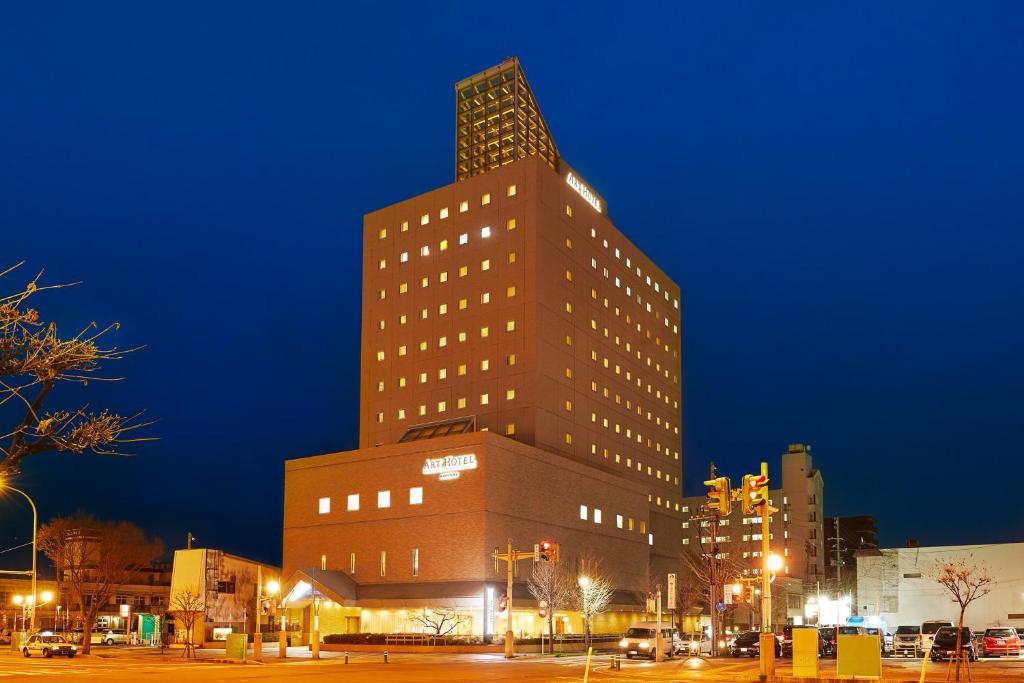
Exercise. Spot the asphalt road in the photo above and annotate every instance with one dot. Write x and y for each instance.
(370, 668)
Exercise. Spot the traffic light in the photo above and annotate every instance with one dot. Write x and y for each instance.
(719, 495)
(543, 611)
(755, 490)
(545, 550)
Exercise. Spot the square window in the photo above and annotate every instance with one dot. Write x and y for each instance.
(405, 226)
(463, 304)
(462, 369)
(403, 257)
(510, 359)
(383, 499)
(382, 233)
(484, 332)
(510, 394)
(380, 417)
(442, 406)
(424, 219)
(485, 264)
(485, 199)
(444, 212)
(510, 224)
(463, 207)
(416, 495)
(510, 326)
(462, 336)
(324, 506)
(485, 232)
(485, 298)
(484, 399)
(353, 502)
(510, 191)
(425, 250)
(442, 309)
(511, 291)
(485, 365)
(444, 245)
(511, 257)
(382, 264)
(463, 271)
(462, 402)
(464, 238)
(510, 429)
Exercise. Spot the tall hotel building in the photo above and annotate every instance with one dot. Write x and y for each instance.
(520, 380)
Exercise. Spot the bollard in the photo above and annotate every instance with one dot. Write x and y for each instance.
(385, 656)
(346, 658)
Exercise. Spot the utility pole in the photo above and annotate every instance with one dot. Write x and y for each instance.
(511, 557)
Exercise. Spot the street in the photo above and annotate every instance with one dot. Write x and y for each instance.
(136, 665)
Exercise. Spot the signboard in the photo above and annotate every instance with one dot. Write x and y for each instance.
(588, 196)
(720, 607)
(449, 466)
(671, 591)
(125, 611)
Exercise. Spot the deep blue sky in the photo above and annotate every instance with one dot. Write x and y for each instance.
(837, 187)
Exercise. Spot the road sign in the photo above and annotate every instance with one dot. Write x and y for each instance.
(671, 591)
(720, 607)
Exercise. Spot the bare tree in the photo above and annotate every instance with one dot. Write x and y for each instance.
(187, 604)
(594, 592)
(440, 622)
(94, 559)
(965, 583)
(550, 582)
(34, 359)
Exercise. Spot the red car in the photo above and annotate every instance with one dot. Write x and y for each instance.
(1000, 641)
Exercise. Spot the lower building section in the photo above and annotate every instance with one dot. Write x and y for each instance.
(403, 539)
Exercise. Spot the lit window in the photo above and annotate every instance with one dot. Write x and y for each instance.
(568, 340)
(510, 191)
(568, 210)
(463, 207)
(424, 219)
(382, 233)
(383, 499)
(353, 502)
(403, 288)
(403, 319)
(485, 198)
(402, 350)
(380, 417)
(464, 238)
(583, 512)
(568, 307)
(351, 563)
(568, 439)
(511, 257)
(568, 243)
(484, 332)
(325, 506)
(422, 410)
(463, 304)
(444, 245)
(381, 325)
(463, 271)
(618, 521)
(485, 298)
(401, 413)
(510, 429)
(485, 232)
(597, 515)
(485, 365)
(383, 563)
(568, 405)
(462, 369)
(444, 212)
(650, 539)
(416, 495)
(484, 399)
(461, 402)
(510, 326)
(423, 346)
(442, 309)
(485, 264)
(568, 275)
(380, 355)
(380, 386)
(425, 250)
(442, 406)
(442, 373)
(443, 277)
(382, 264)
(462, 336)
(423, 378)
(510, 394)
(382, 294)
(415, 561)
(510, 224)
(510, 359)
(403, 257)
(510, 291)
(401, 382)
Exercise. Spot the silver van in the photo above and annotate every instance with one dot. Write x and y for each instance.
(640, 641)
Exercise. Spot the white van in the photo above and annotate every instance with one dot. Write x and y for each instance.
(640, 641)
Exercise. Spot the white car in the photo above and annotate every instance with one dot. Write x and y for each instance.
(48, 645)
(108, 637)
(640, 640)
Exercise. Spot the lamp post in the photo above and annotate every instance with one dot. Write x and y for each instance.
(257, 635)
(19, 600)
(584, 584)
(273, 587)
(35, 526)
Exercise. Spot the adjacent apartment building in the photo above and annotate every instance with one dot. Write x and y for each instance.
(520, 381)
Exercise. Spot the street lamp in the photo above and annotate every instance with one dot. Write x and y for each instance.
(35, 525)
(19, 600)
(774, 563)
(273, 588)
(584, 584)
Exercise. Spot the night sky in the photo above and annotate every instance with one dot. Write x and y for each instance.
(837, 187)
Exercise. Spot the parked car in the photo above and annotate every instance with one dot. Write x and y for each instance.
(944, 644)
(907, 641)
(109, 637)
(928, 631)
(48, 645)
(640, 640)
(786, 640)
(872, 631)
(998, 641)
(828, 640)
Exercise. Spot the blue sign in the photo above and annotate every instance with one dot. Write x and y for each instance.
(720, 607)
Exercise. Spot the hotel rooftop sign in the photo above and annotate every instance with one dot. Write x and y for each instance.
(584, 191)
(449, 466)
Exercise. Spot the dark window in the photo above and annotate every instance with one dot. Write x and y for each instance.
(225, 586)
(915, 575)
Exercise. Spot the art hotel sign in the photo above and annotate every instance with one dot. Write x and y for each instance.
(584, 191)
(449, 466)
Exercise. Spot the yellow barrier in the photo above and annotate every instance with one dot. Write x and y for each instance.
(858, 656)
(805, 652)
